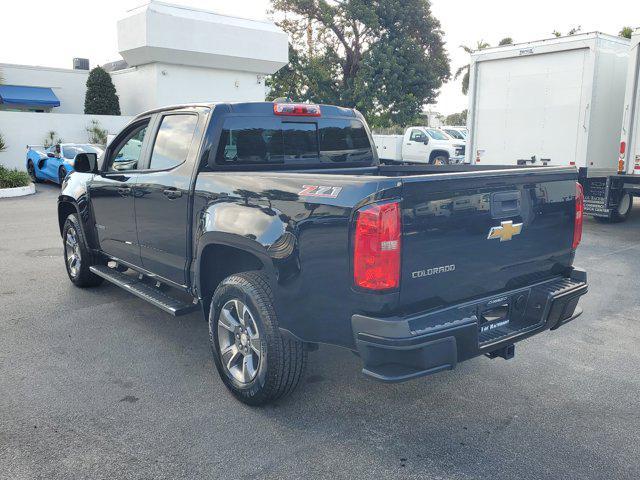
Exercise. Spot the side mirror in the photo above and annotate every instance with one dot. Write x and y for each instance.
(86, 163)
(51, 155)
(426, 140)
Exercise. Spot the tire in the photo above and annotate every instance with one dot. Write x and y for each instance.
(31, 169)
(62, 173)
(254, 377)
(621, 214)
(75, 247)
(439, 159)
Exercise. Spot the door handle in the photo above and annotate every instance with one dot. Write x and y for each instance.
(172, 193)
(124, 191)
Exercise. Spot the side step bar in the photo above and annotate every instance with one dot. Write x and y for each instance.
(151, 294)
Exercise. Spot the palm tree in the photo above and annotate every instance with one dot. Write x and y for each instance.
(464, 71)
(506, 41)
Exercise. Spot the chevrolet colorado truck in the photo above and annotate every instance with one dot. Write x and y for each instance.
(279, 223)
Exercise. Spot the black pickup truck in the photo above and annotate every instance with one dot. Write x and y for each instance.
(278, 221)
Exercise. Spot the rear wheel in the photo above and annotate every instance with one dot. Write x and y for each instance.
(78, 257)
(31, 169)
(255, 362)
(622, 212)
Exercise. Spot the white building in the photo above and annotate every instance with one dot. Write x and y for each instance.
(172, 54)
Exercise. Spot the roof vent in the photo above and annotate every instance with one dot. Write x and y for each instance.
(81, 64)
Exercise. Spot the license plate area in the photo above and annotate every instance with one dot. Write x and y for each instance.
(493, 318)
(506, 316)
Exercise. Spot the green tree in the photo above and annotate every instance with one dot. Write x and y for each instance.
(96, 133)
(51, 140)
(505, 41)
(626, 32)
(3, 145)
(385, 58)
(464, 71)
(101, 97)
(457, 118)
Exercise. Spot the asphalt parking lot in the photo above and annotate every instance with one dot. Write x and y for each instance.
(98, 384)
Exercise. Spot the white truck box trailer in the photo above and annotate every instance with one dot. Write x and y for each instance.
(552, 102)
(630, 132)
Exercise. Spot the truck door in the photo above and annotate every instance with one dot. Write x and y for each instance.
(162, 193)
(415, 149)
(112, 194)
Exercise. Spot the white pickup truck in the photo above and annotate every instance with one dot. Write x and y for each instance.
(420, 145)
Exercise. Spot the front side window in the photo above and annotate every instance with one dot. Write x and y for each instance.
(173, 141)
(417, 136)
(127, 155)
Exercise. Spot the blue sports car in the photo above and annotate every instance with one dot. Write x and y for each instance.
(56, 162)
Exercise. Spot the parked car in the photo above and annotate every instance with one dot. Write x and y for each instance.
(420, 145)
(54, 163)
(279, 223)
(458, 133)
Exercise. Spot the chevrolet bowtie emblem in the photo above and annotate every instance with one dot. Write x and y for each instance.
(505, 232)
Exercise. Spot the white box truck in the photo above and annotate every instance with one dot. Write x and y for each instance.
(553, 102)
(630, 131)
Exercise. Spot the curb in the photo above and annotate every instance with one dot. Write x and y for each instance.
(17, 191)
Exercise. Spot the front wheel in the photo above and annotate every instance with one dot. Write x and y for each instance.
(255, 362)
(77, 255)
(440, 160)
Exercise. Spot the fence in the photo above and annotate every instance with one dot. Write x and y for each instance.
(29, 128)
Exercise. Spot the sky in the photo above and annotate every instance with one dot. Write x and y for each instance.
(42, 32)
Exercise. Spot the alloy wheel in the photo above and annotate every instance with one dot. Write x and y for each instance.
(72, 252)
(239, 341)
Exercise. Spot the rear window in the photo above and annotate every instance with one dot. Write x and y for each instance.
(267, 140)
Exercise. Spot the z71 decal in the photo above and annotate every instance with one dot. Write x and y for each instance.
(320, 191)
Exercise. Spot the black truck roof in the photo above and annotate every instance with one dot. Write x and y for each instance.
(257, 108)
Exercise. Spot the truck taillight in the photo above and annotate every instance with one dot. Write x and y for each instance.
(623, 148)
(296, 109)
(577, 228)
(376, 247)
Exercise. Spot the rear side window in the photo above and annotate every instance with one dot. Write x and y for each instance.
(266, 140)
(173, 141)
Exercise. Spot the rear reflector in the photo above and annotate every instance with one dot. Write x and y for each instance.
(296, 109)
(577, 226)
(376, 247)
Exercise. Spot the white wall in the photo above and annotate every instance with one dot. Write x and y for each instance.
(159, 84)
(164, 33)
(68, 85)
(136, 88)
(23, 128)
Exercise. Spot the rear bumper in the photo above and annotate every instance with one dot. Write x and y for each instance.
(401, 348)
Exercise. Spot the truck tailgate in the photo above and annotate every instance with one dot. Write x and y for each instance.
(477, 233)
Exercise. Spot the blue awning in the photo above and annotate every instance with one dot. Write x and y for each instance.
(29, 96)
